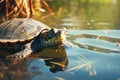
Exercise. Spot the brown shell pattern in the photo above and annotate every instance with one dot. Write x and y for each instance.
(22, 29)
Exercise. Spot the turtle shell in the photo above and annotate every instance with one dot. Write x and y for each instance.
(19, 30)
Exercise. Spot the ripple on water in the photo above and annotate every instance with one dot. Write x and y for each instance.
(96, 40)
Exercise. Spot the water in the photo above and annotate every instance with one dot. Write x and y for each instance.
(94, 53)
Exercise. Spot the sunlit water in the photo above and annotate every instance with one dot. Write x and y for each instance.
(92, 51)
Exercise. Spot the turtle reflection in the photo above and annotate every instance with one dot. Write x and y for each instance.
(55, 59)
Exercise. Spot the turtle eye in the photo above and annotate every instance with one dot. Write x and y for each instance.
(53, 31)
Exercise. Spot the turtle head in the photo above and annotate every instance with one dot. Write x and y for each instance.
(53, 37)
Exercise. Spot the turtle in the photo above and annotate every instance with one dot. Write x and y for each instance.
(24, 36)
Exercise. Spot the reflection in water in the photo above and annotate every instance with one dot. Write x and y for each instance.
(54, 59)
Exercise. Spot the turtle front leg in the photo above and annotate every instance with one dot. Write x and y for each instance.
(19, 56)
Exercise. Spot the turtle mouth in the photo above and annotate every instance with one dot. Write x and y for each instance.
(62, 37)
(56, 38)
